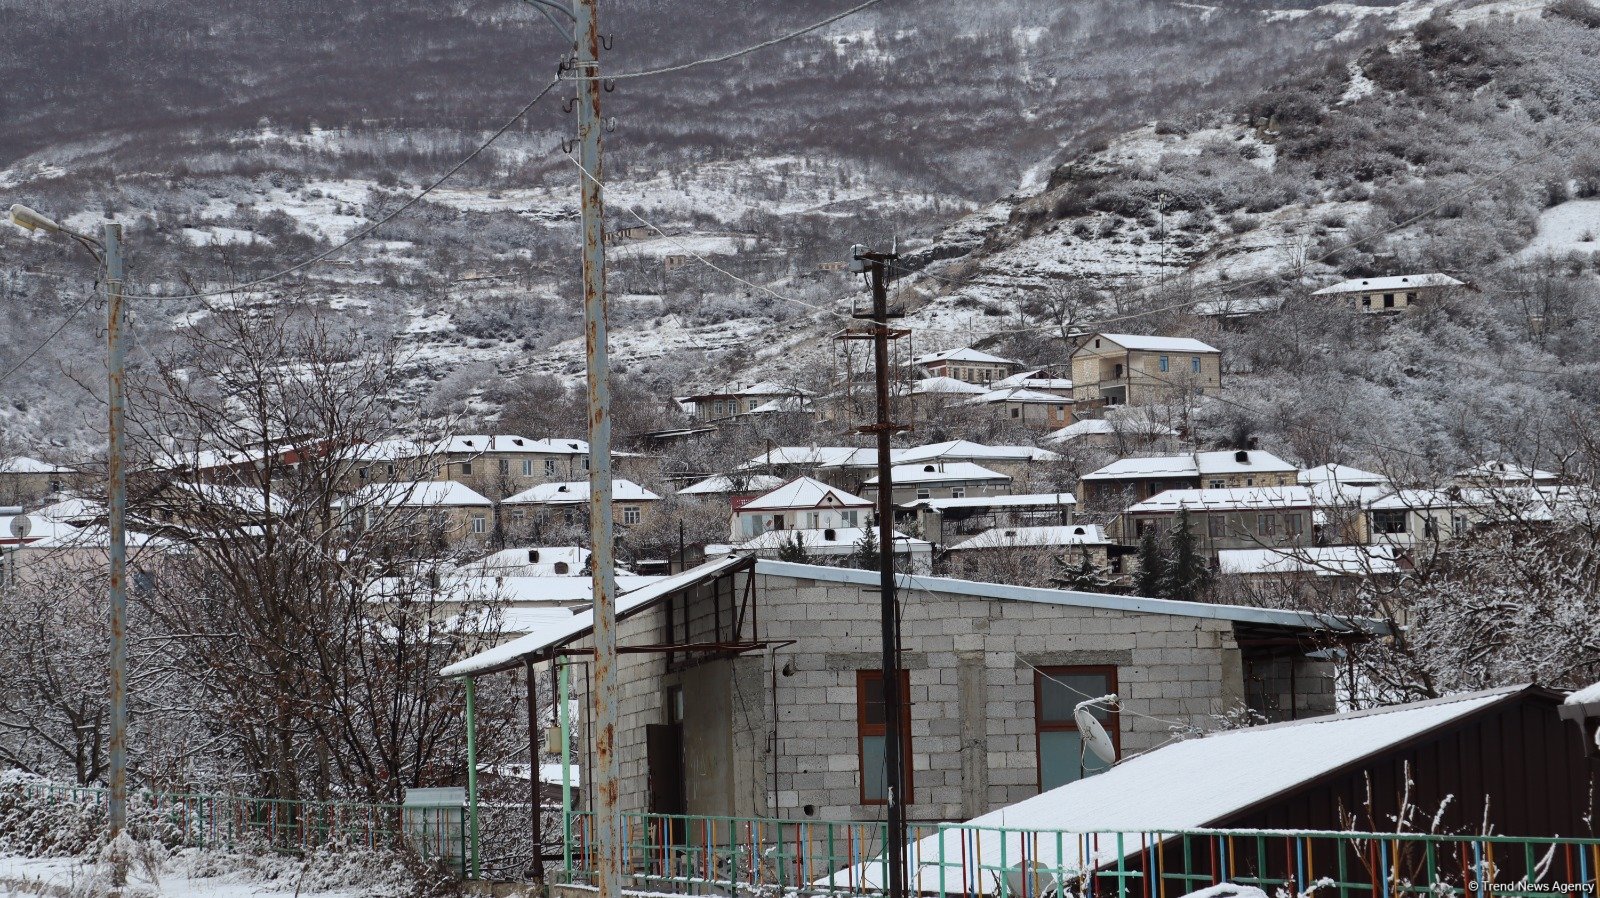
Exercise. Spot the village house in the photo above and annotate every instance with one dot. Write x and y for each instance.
(801, 504)
(946, 480)
(1016, 461)
(1029, 407)
(932, 398)
(53, 547)
(833, 545)
(1306, 574)
(1342, 494)
(1127, 480)
(1064, 545)
(1131, 369)
(28, 481)
(1391, 295)
(568, 501)
(736, 400)
(440, 513)
(1124, 435)
(1422, 518)
(756, 689)
(945, 520)
(967, 364)
(845, 467)
(1234, 518)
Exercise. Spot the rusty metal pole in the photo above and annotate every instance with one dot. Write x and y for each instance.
(116, 522)
(536, 797)
(894, 724)
(602, 558)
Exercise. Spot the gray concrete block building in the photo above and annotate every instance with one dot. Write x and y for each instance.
(751, 688)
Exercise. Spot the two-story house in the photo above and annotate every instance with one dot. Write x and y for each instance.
(1127, 480)
(966, 364)
(1133, 369)
(945, 480)
(440, 513)
(631, 504)
(1230, 518)
(1391, 295)
(735, 400)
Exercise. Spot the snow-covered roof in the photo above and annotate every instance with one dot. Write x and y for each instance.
(1036, 537)
(581, 623)
(388, 450)
(534, 560)
(1424, 500)
(844, 539)
(965, 354)
(23, 464)
(939, 472)
(72, 509)
(470, 444)
(1027, 500)
(247, 499)
(420, 494)
(1396, 282)
(1032, 379)
(818, 456)
(1146, 343)
(1102, 426)
(781, 404)
(95, 536)
(1506, 472)
(1192, 464)
(1020, 394)
(1322, 561)
(42, 530)
(1190, 784)
(911, 586)
(965, 450)
(805, 492)
(1234, 498)
(576, 492)
(946, 385)
(757, 390)
(722, 484)
(1341, 474)
(1588, 695)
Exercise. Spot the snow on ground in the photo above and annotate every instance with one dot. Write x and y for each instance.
(687, 244)
(1571, 227)
(71, 876)
(216, 235)
(1360, 85)
(1512, 10)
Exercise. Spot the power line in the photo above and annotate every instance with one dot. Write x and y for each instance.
(725, 57)
(71, 316)
(368, 231)
(707, 262)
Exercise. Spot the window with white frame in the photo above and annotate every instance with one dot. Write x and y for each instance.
(630, 514)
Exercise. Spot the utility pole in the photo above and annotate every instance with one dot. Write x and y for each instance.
(875, 265)
(586, 70)
(116, 522)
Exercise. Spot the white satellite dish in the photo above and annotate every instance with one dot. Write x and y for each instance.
(21, 526)
(1093, 734)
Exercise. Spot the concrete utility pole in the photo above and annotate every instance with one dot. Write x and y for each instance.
(875, 265)
(586, 69)
(108, 252)
(116, 523)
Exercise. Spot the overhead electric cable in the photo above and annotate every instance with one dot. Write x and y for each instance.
(370, 229)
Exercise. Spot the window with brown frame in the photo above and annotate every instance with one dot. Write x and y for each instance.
(1062, 757)
(871, 735)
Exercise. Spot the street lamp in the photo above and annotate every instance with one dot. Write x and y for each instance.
(108, 252)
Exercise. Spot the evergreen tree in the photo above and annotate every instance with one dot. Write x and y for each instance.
(1082, 577)
(1151, 580)
(866, 554)
(792, 548)
(1187, 574)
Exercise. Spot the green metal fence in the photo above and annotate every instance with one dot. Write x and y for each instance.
(729, 856)
(229, 821)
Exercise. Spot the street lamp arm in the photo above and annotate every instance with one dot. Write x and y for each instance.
(24, 217)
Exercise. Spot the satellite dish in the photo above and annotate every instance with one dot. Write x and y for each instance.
(21, 526)
(1093, 734)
